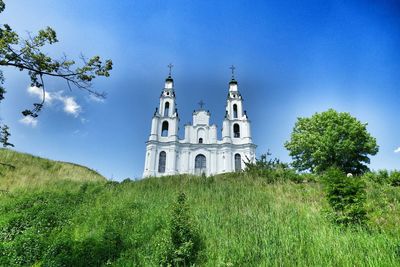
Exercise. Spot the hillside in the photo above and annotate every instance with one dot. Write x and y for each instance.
(20, 170)
(241, 221)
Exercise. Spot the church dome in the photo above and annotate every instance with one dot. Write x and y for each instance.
(233, 81)
(233, 85)
(169, 82)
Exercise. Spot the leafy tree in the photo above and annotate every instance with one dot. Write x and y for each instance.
(329, 139)
(27, 55)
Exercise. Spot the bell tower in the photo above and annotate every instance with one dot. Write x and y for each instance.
(236, 126)
(161, 150)
(164, 126)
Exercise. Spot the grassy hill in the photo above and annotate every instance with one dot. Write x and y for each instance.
(19, 170)
(68, 220)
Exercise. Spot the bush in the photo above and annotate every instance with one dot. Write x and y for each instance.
(384, 177)
(273, 170)
(346, 197)
(183, 247)
(395, 178)
(88, 252)
(309, 177)
(381, 177)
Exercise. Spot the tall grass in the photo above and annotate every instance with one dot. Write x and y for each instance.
(19, 170)
(242, 221)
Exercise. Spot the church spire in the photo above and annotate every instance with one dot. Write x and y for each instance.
(232, 67)
(169, 82)
(170, 66)
(233, 87)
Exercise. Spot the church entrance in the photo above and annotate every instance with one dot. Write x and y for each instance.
(200, 164)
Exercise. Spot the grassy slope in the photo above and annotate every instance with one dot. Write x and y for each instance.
(242, 220)
(19, 170)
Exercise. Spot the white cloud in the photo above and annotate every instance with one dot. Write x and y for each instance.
(28, 120)
(70, 106)
(397, 150)
(36, 91)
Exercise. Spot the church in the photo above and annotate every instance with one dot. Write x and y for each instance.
(200, 151)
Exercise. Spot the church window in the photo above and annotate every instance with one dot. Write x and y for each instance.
(238, 163)
(166, 109)
(235, 111)
(161, 162)
(200, 164)
(200, 140)
(164, 129)
(236, 130)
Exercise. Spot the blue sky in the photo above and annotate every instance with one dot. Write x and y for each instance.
(293, 58)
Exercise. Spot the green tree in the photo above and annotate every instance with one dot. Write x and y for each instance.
(329, 139)
(27, 55)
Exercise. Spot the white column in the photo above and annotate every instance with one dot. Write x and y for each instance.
(154, 128)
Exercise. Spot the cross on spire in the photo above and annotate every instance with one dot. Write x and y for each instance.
(232, 67)
(170, 68)
(201, 104)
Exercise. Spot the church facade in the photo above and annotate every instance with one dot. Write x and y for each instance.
(200, 151)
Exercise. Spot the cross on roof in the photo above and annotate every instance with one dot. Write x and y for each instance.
(233, 71)
(170, 68)
(201, 104)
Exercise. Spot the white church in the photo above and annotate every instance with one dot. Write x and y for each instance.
(200, 151)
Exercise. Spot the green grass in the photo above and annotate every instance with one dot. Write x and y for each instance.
(242, 220)
(24, 171)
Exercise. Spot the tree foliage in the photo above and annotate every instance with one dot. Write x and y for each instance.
(329, 139)
(27, 55)
(4, 136)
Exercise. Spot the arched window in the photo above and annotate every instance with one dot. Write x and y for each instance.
(166, 109)
(236, 130)
(200, 164)
(164, 129)
(235, 112)
(200, 140)
(161, 161)
(238, 163)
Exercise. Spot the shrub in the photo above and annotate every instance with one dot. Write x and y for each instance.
(183, 247)
(384, 177)
(273, 170)
(88, 252)
(309, 177)
(346, 197)
(395, 178)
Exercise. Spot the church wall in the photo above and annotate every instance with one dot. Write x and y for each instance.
(181, 157)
